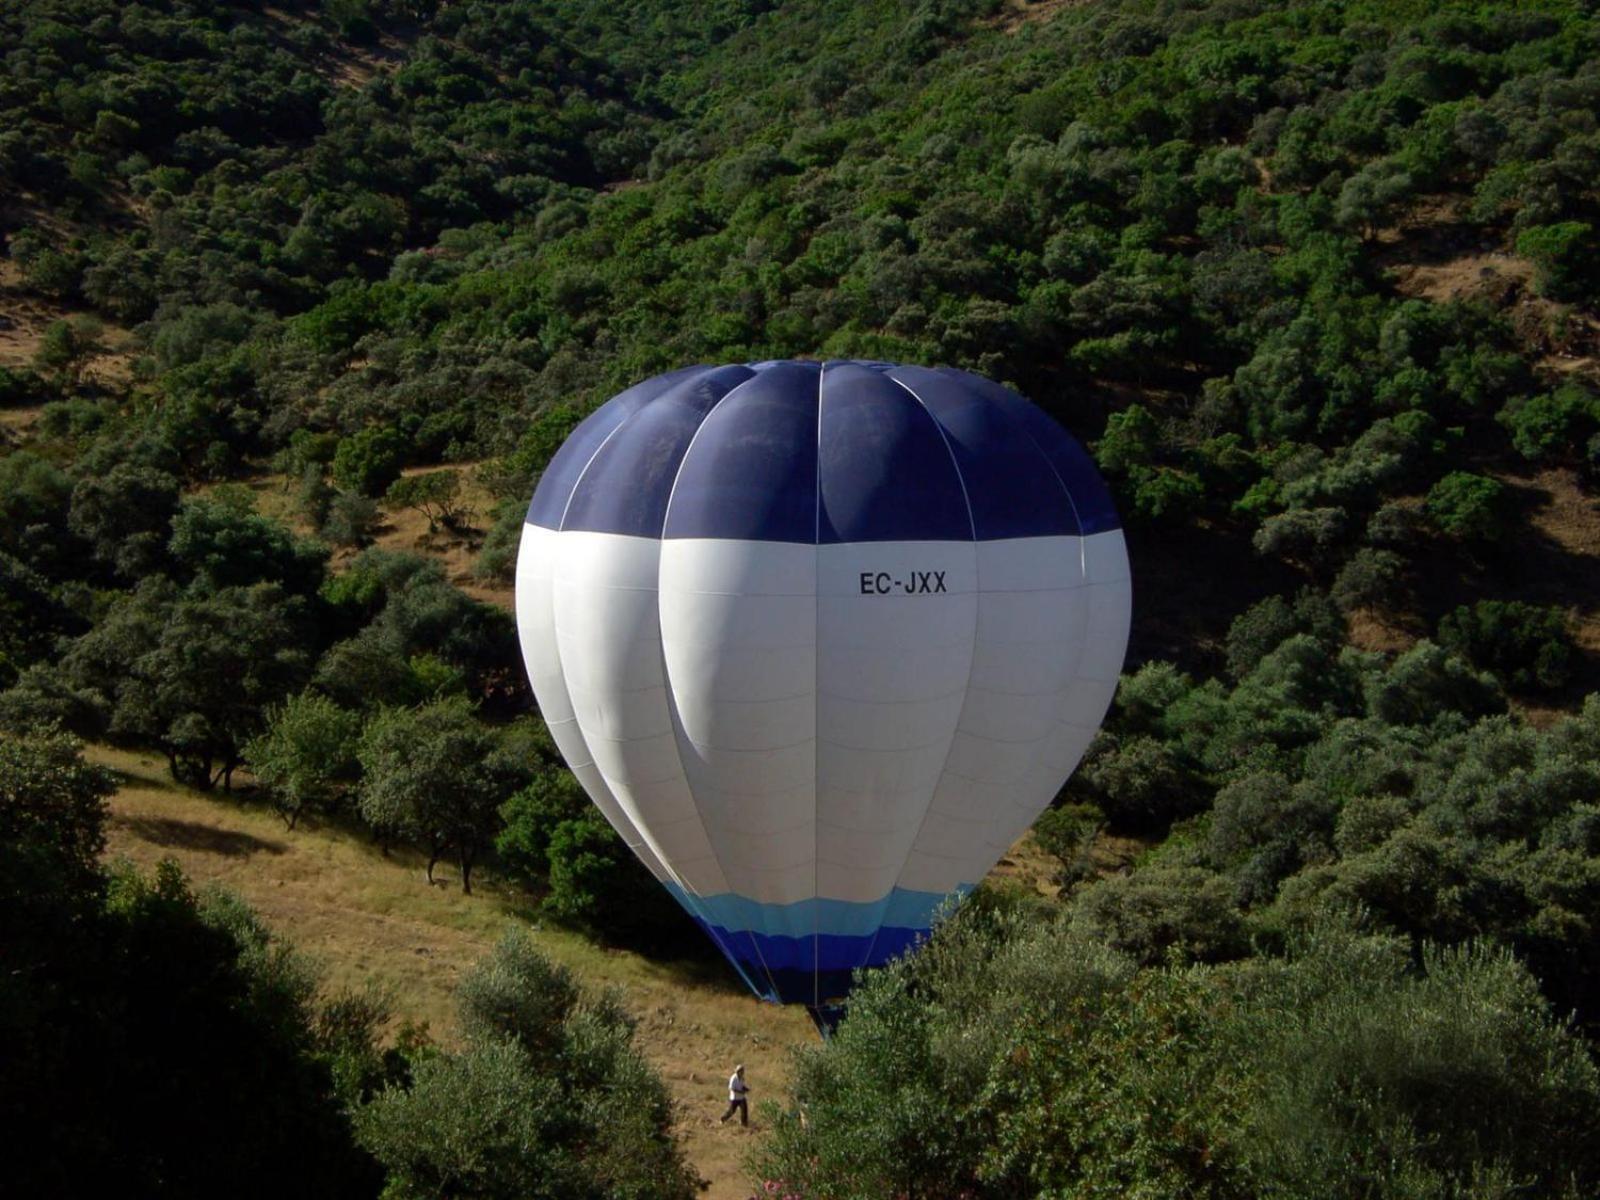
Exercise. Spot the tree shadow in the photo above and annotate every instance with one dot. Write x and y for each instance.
(1188, 586)
(190, 835)
(1543, 560)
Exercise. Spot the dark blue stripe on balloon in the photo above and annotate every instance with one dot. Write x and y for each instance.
(1069, 459)
(892, 465)
(1010, 485)
(567, 464)
(752, 471)
(809, 970)
(627, 485)
(885, 473)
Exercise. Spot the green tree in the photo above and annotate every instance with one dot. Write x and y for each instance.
(193, 673)
(549, 1098)
(432, 776)
(1471, 507)
(1526, 645)
(131, 1009)
(125, 515)
(1564, 257)
(221, 542)
(434, 494)
(369, 461)
(307, 755)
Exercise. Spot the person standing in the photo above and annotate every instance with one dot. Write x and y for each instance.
(737, 1088)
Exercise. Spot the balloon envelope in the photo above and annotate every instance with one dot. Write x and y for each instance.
(821, 640)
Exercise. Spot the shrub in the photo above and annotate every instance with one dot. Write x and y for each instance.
(1301, 533)
(1565, 258)
(1526, 645)
(1552, 424)
(1017, 1056)
(1427, 682)
(1370, 579)
(1067, 832)
(369, 461)
(350, 519)
(1155, 910)
(1140, 782)
(1470, 507)
(550, 1097)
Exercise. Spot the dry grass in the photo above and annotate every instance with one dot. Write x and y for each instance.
(407, 530)
(366, 917)
(24, 317)
(1014, 14)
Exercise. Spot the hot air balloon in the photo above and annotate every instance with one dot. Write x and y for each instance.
(821, 640)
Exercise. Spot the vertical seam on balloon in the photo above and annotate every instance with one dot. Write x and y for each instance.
(1077, 517)
(577, 723)
(977, 599)
(539, 481)
(671, 699)
(677, 474)
(576, 483)
(559, 530)
(816, 703)
(578, 480)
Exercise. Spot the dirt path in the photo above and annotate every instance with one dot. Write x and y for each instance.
(366, 917)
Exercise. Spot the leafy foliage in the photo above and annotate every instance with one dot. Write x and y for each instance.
(549, 1098)
(1014, 1054)
(133, 1008)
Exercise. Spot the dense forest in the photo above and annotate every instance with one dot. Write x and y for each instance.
(1316, 282)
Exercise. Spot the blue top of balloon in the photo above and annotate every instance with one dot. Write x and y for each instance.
(822, 453)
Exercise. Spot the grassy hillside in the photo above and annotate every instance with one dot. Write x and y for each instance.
(369, 918)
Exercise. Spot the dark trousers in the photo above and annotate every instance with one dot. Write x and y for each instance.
(743, 1106)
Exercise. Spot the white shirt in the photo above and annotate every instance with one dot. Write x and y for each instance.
(736, 1087)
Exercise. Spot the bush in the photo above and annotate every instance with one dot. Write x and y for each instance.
(1153, 911)
(21, 388)
(1428, 682)
(132, 1009)
(1301, 533)
(1382, 1080)
(367, 462)
(350, 519)
(1470, 507)
(1267, 624)
(1140, 782)
(1565, 259)
(1552, 425)
(1370, 579)
(1527, 646)
(1016, 1056)
(549, 1098)
(1068, 831)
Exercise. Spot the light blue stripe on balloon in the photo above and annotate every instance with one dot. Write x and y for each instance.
(901, 909)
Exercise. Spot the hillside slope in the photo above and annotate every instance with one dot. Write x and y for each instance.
(365, 918)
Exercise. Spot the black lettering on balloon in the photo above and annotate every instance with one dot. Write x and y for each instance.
(920, 583)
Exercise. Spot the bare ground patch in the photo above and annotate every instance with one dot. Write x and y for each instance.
(456, 549)
(1014, 14)
(24, 317)
(1374, 631)
(404, 529)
